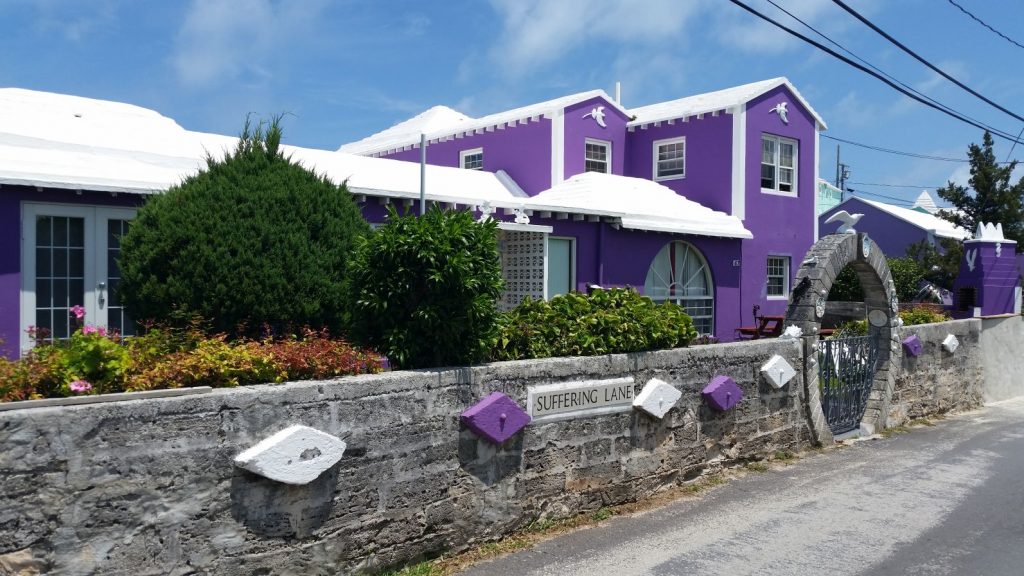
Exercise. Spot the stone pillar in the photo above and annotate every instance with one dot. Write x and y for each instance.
(989, 279)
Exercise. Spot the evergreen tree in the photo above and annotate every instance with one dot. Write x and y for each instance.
(252, 240)
(989, 196)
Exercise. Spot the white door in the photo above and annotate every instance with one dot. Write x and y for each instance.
(69, 258)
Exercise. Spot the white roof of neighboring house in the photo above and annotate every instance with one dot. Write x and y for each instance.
(56, 141)
(445, 124)
(718, 100)
(640, 204)
(929, 222)
(926, 202)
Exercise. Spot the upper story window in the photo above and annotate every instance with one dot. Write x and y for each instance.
(598, 156)
(670, 159)
(778, 165)
(472, 159)
(778, 276)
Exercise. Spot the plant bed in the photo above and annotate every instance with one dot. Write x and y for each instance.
(94, 362)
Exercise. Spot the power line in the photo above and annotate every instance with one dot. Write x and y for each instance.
(895, 185)
(897, 152)
(865, 62)
(864, 69)
(982, 22)
(901, 200)
(913, 54)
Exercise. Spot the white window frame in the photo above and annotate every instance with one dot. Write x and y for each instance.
(95, 258)
(796, 165)
(463, 154)
(682, 299)
(656, 154)
(608, 153)
(572, 262)
(786, 272)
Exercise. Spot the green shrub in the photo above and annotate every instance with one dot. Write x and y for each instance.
(605, 322)
(425, 289)
(917, 315)
(254, 239)
(213, 362)
(906, 274)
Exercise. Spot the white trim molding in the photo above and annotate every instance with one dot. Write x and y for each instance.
(739, 161)
(557, 147)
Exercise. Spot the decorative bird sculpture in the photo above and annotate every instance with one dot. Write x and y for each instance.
(598, 115)
(780, 109)
(847, 219)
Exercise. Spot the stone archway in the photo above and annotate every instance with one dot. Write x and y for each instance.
(817, 273)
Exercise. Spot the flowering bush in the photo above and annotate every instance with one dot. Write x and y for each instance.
(93, 361)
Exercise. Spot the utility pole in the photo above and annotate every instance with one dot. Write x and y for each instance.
(842, 173)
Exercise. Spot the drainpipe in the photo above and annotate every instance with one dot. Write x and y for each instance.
(423, 174)
(600, 254)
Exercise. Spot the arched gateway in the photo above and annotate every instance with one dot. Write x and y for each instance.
(854, 377)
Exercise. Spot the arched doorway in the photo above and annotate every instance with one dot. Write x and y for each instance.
(679, 273)
(877, 358)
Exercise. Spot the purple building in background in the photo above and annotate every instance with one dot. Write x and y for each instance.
(748, 152)
(895, 228)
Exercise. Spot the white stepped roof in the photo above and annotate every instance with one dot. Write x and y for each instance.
(718, 100)
(442, 125)
(639, 204)
(929, 222)
(926, 202)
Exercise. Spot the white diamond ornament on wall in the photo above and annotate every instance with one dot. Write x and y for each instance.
(950, 343)
(657, 398)
(777, 371)
(296, 455)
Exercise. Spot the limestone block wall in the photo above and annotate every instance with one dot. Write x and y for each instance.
(148, 486)
(1002, 353)
(939, 381)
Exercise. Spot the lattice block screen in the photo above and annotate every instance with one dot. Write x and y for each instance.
(523, 265)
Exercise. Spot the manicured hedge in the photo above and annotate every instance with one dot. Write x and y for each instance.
(604, 322)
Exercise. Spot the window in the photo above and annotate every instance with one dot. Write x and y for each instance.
(778, 165)
(561, 265)
(680, 274)
(778, 276)
(598, 156)
(670, 159)
(472, 159)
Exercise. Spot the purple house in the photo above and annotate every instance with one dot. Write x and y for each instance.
(706, 201)
(747, 153)
(894, 228)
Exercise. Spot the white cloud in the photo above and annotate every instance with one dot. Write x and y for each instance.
(539, 32)
(74, 20)
(224, 41)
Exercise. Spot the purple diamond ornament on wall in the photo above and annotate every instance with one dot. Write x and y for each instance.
(912, 345)
(496, 418)
(722, 393)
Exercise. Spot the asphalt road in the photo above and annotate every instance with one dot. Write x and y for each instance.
(947, 499)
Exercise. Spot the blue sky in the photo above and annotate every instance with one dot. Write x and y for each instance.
(346, 69)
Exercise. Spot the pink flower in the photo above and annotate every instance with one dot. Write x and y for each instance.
(78, 311)
(80, 386)
(90, 329)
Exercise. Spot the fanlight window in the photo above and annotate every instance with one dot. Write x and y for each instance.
(680, 274)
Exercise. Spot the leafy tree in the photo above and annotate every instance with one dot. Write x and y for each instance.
(254, 239)
(940, 265)
(906, 274)
(425, 289)
(990, 197)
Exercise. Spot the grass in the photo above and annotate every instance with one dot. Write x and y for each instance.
(757, 466)
(784, 455)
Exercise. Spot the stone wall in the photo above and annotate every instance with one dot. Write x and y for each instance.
(149, 487)
(939, 381)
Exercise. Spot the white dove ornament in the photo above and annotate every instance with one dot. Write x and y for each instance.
(781, 110)
(847, 220)
(598, 115)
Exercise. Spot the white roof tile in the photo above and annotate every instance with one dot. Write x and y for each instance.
(929, 222)
(640, 204)
(408, 133)
(712, 101)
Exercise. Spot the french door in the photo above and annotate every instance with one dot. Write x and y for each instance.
(69, 258)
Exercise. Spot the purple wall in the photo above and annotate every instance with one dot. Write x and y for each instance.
(782, 226)
(579, 127)
(524, 152)
(708, 178)
(892, 235)
(994, 279)
(11, 198)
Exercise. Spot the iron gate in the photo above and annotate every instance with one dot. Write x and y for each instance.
(846, 372)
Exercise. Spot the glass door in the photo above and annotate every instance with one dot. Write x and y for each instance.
(69, 259)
